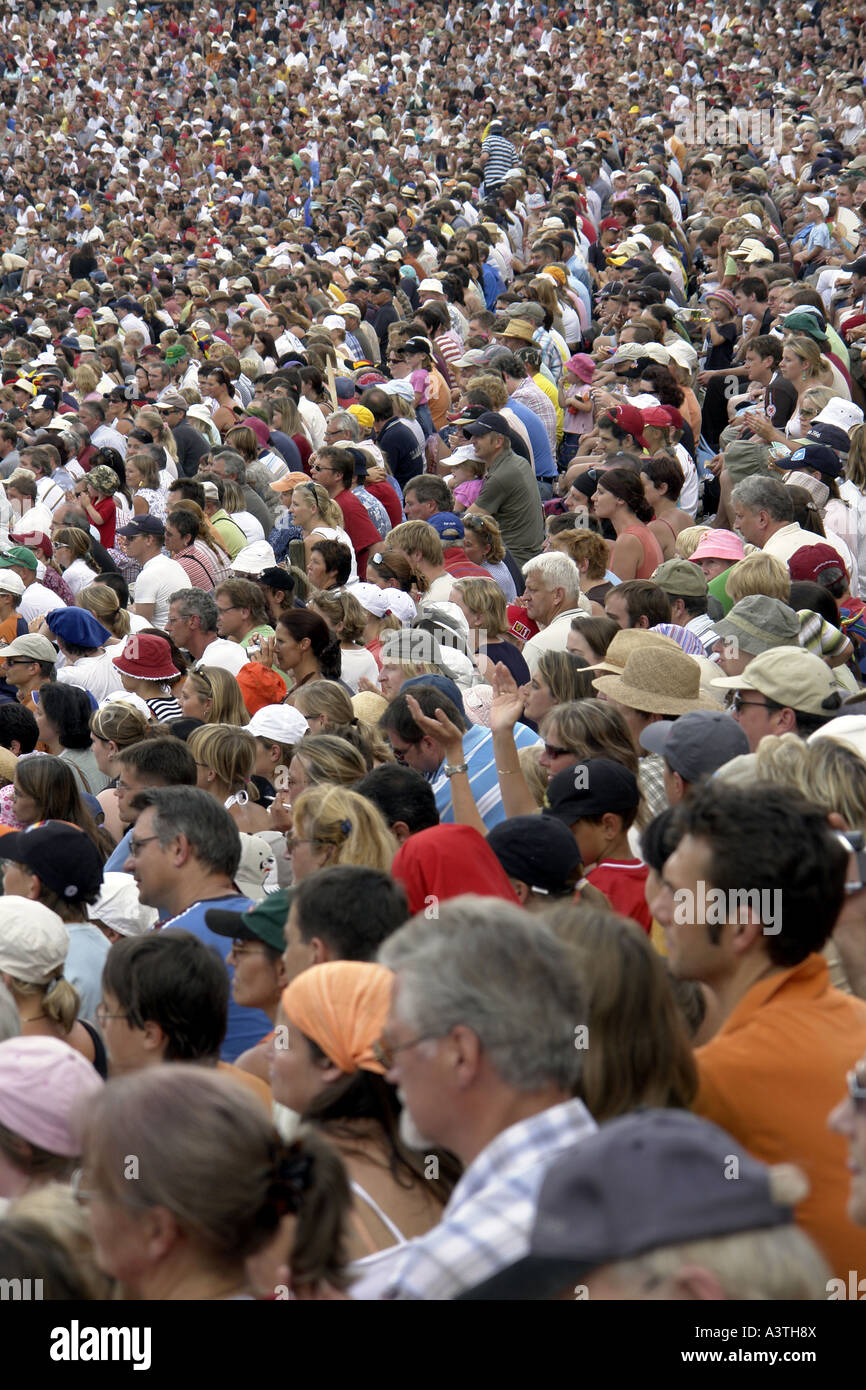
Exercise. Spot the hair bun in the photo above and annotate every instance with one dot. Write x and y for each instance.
(291, 1178)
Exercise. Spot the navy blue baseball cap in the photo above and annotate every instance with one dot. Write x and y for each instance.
(448, 525)
(818, 456)
(77, 626)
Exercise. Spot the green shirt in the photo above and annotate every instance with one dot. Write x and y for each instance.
(229, 533)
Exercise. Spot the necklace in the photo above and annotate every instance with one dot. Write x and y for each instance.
(34, 1019)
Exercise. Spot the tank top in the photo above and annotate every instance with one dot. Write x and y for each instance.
(652, 551)
(100, 1056)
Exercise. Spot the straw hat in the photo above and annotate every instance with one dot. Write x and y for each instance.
(657, 682)
(628, 640)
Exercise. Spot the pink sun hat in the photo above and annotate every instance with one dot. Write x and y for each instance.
(718, 545)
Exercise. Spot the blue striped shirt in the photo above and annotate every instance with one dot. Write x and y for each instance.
(478, 753)
(501, 156)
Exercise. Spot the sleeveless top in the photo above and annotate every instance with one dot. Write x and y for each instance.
(100, 1057)
(652, 551)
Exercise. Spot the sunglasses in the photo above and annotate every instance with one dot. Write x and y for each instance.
(553, 752)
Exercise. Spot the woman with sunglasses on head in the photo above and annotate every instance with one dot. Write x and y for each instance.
(319, 518)
(483, 545)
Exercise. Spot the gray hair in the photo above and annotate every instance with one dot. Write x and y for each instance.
(492, 968)
(760, 494)
(195, 603)
(233, 464)
(558, 571)
(345, 421)
(210, 830)
(10, 1019)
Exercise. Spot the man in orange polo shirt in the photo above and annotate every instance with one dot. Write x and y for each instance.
(748, 900)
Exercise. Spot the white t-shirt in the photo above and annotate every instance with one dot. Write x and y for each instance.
(96, 674)
(252, 529)
(354, 664)
(158, 580)
(37, 601)
(78, 575)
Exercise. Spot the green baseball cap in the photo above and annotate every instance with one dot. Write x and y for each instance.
(264, 922)
(18, 555)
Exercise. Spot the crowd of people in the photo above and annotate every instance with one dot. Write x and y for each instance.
(433, 650)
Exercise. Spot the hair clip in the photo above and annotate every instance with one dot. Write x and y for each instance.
(346, 826)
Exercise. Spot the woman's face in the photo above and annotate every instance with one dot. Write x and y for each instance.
(193, 703)
(104, 750)
(297, 780)
(307, 855)
(296, 1078)
(792, 367)
(257, 980)
(603, 503)
(318, 573)
(288, 652)
(26, 807)
(133, 477)
(651, 492)
(301, 507)
(318, 723)
(474, 546)
(577, 644)
(553, 756)
(48, 732)
(712, 568)
(538, 698)
(63, 555)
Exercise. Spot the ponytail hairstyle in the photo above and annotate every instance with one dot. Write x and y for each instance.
(626, 485)
(61, 1001)
(301, 623)
(78, 542)
(103, 603)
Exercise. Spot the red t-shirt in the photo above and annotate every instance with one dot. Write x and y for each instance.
(389, 499)
(359, 528)
(107, 527)
(455, 562)
(622, 881)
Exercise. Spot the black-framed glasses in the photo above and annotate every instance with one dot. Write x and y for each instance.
(385, 1052)
(738, 703)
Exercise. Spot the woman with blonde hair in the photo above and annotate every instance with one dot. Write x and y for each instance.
(114, 727)
(48, 1004)
(348, 621)
(758, 574)
(482, 602)
(213, 695)
(225, 757)
(323, 758)
(72, 557)
(334, 825)
(804, 366)
(688, 541)
(318, 516)
(103, 603)
(328, 709)
(86, 381)
(483, 545)
(149, 495)
(150, 419)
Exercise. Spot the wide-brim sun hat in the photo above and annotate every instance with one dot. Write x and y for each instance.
(146, 658)
(657, 682)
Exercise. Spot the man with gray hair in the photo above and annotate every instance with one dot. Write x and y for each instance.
(192, 626)
(553, 598)
(341, 426)
(485, 1039)
(764, 516)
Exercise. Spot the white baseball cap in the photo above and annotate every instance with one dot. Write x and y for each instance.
(254, 558)
(33, 940)
(281, 723)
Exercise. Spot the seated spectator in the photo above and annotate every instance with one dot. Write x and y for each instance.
(42, 1083)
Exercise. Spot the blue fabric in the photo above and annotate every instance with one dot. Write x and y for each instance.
(483, 779)
(545, 467)
(119, 855)
(246, 1027)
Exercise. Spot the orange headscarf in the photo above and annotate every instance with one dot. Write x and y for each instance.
(556, 273)
(342, 1006)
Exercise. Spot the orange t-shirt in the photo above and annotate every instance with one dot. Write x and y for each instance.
(771, 1076)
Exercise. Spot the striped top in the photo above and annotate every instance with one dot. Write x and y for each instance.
(483, 779)
(501, 156)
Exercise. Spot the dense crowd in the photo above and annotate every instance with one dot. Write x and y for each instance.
(432, 650)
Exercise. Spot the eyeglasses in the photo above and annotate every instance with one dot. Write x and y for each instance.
(81, 1194)
(136, 846)
(102, 1015)
(229, 608)
(739, 703)
(385, 1052)
(18, 660)
(553, 752)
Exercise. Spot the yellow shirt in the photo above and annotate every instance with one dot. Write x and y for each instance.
(550, 390)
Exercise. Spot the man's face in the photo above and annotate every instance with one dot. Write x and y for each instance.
(239, 340)
(416, 510)
(126, 1044)
(150, 863)
(422, 757)
(680, 908)
(616, 608)
(89, 419)
(748, 524)
(756, 366)
(20, 670)
(126, 787)
(755, 717)
(299, 955)
(541, 602)
(322, 471)
(178, 627)
(424, 1079)
(231, 619)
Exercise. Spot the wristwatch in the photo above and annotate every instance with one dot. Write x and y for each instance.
(451, 769)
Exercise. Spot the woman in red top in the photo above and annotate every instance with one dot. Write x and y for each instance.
(620, 499)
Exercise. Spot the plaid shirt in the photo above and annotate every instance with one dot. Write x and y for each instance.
(651, 780)
(487, 1223)
(534, 399)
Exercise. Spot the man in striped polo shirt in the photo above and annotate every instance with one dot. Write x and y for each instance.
(498, 155)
